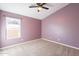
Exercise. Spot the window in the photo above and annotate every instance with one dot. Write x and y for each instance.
(13, 28)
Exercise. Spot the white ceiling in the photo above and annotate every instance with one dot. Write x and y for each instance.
(23, 9)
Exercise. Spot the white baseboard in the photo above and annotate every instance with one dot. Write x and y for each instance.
(61, 44)
(42, 39)
(15, 45)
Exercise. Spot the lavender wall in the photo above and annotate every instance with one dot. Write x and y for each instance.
(63, 26)
(30, 29)
(0, 29)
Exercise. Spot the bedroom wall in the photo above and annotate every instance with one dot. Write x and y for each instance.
(63, 26)
(0, 29)
(30, 29)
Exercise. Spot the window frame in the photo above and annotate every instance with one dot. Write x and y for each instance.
(6, 27)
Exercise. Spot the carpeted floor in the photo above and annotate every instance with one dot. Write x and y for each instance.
(39, 47)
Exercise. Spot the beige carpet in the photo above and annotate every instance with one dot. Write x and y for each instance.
(39, 47)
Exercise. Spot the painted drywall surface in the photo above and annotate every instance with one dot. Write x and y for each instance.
(0, 29)
(30, 29)
(63, 26)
